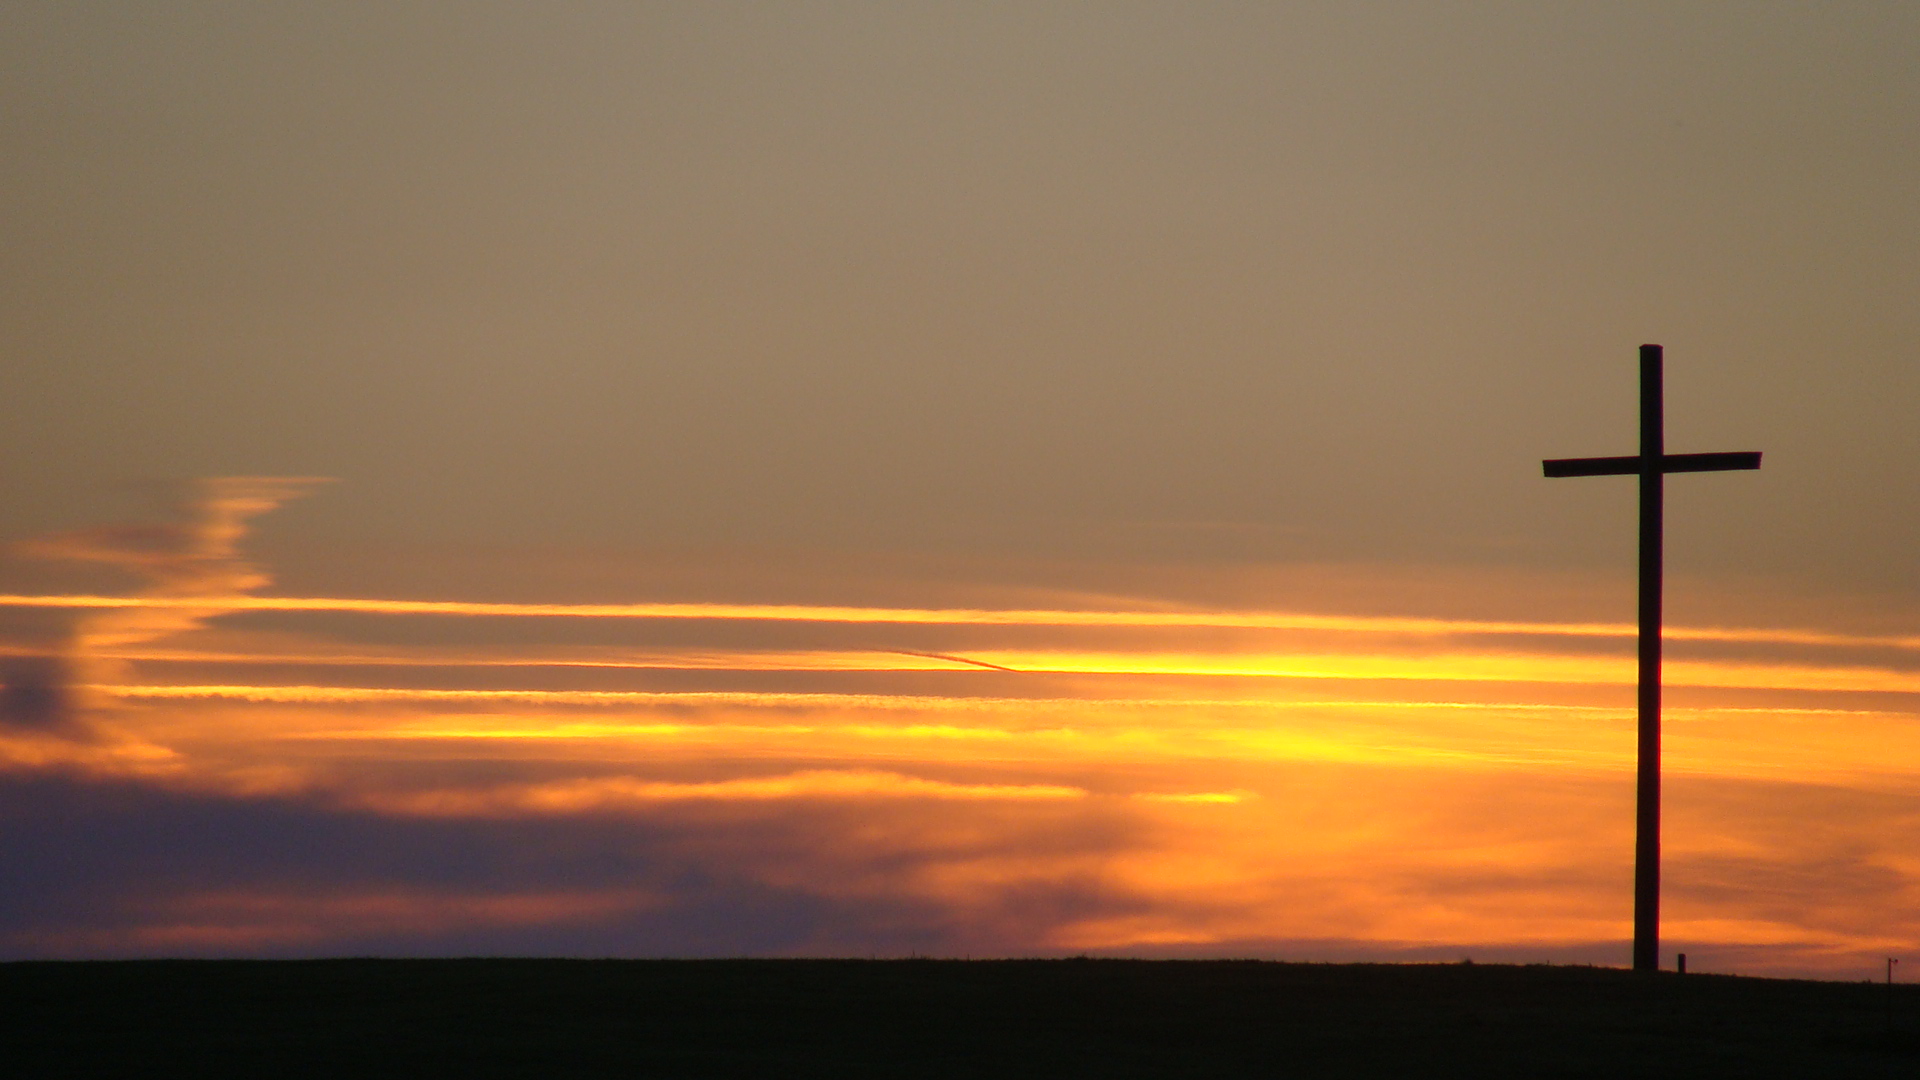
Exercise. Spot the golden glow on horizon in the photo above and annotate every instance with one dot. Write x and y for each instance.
(1827, 745)
(1225, 775)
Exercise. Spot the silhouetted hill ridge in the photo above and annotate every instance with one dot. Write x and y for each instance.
(933, 1018)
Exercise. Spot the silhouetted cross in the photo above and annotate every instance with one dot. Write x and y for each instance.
(1651, 465)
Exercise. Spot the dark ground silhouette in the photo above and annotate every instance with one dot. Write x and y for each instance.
(926, 1018)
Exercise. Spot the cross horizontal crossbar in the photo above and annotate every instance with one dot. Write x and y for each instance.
(1669, 463)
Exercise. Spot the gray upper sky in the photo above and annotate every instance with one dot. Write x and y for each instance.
(1274, 282)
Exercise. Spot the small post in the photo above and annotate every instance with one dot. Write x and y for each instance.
(1890, 962)
(1681, 965)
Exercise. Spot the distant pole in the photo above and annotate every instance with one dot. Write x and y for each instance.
(1890, 962)
(1646, 848)
(1651, 465)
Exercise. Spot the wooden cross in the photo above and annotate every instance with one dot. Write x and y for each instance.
(1651, 465)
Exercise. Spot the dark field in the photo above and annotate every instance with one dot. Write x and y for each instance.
(925, 1018)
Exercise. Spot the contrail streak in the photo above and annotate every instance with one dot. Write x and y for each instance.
(1467, 669)
(952, 617)
(953, 659)
(854, 662)
(833, 699)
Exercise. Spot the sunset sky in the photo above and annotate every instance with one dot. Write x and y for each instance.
(968, 479)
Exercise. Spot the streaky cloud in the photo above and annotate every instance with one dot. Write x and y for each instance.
(613, 793)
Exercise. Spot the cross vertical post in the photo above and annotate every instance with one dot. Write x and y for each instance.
(1651, 465)
(1646, 845)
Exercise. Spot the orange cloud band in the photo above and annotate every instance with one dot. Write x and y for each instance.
(613, 793)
